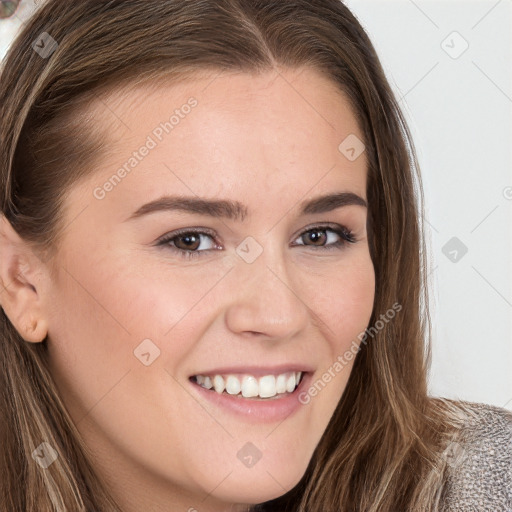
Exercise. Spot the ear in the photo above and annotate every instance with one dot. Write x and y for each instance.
(21, 282)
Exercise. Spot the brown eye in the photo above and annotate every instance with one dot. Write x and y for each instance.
(321, 237)
(191, 241)
(186, 243)
(317, 236)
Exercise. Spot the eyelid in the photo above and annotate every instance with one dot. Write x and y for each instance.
(324, 225)
(346, 236)
(207, 231)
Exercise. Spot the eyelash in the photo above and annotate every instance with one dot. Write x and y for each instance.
(347, 237)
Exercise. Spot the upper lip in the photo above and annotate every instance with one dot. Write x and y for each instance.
(258, 371)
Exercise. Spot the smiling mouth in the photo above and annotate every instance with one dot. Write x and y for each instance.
(267, 387)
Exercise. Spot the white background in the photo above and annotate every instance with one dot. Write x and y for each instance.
(459, 111)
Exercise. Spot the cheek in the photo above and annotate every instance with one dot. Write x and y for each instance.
(344, 300)
(344, 305)
(102, 313)
(99, 317)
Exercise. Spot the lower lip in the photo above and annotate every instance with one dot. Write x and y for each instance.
(263, 410)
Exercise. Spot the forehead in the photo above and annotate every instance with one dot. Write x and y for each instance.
(297, 104)
(223, 134)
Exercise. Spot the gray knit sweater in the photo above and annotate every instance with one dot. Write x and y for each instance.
(480, 469)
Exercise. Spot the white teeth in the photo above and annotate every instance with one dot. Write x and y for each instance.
(290, 384)
(218, 383)
(249, 386)
(267, 386)
(233, 385)
(281, 384)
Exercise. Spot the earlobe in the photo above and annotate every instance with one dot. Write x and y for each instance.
(35, 330)
(20, 294)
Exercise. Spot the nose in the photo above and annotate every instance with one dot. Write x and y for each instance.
(267, 298)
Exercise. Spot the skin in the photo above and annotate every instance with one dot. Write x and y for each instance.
(269, 141)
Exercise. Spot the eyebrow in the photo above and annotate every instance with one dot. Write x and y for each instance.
(237, 211)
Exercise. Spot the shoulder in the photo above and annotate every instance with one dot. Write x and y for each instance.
(479, 473)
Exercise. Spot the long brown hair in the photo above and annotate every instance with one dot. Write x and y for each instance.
(382, 450)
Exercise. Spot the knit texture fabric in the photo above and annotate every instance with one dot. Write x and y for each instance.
(480, 462)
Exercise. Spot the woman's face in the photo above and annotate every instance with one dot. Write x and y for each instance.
(263, 293)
